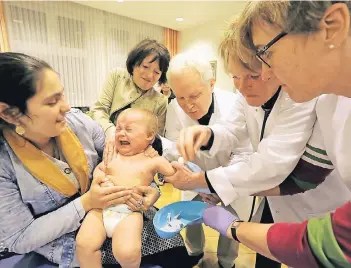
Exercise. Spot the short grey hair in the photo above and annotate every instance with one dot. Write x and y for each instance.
(190, 61)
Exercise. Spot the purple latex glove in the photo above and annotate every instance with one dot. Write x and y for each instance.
(219, 218)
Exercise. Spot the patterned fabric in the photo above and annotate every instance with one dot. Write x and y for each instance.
(311, 170)
(317, 156)
(323, 242)
(151, 242)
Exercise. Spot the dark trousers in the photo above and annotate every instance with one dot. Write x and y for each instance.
(262, 261)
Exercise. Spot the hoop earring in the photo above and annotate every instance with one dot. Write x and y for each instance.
(20, 130)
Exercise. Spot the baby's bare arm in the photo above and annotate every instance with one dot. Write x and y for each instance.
(163, 166)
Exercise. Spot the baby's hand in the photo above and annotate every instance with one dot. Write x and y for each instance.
(107, 183)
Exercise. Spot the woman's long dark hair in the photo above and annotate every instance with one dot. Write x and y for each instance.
(19, 74)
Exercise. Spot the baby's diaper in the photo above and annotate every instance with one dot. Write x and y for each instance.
(112, 217)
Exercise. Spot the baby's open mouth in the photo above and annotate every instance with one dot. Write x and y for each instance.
(124, 142)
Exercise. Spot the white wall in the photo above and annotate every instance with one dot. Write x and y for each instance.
(205, 39)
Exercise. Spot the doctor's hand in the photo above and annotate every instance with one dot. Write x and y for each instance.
(184, 179)
(191, 139)
(212, 199)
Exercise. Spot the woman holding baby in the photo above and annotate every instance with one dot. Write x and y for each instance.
(48, 154)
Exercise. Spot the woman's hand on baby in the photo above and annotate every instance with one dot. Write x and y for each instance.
(102, 197)
(150, 152)
(143, 197)
(109, 149)
(107, 183)
(210, 198)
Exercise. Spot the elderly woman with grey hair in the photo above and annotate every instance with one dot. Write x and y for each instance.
(307, 46)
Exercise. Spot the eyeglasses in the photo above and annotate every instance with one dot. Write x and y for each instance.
(191, 100)
(262, 55)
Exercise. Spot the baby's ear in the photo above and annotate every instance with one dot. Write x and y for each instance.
(151, 136)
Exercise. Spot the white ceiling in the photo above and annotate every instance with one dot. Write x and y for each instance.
(164, 13)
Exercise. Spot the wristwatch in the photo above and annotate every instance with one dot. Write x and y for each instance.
(234, 226)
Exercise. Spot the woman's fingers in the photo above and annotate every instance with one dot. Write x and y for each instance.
(116, 195)
(107, 184)
(150, 152)
(131, 205)
(116, 189)
(109, 150)
(146, 194)
(117, 201)
(98, 180)
(137, 203)
(141, 190)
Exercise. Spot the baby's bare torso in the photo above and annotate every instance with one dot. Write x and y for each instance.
(131, 170)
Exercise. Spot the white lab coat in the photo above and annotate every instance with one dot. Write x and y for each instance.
(333, 128)
(287, 131)
(177, 119)
(334, 116)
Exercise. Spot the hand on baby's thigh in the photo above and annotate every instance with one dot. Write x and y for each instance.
(92, 232)
(126, 239)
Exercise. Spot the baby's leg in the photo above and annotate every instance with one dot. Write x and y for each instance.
(89, 240)
(126, 241)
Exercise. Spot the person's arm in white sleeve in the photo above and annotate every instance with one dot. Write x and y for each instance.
(173, 126)
(229, 132)
(311, 170)
(276, 156)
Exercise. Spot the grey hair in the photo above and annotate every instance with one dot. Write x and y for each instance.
(190, 61)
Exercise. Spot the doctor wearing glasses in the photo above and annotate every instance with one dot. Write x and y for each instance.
(279, 130)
